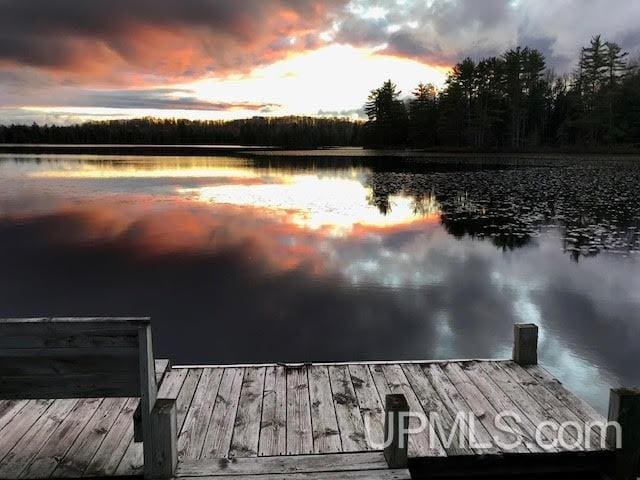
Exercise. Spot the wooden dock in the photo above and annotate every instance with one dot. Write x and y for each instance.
(302, 421)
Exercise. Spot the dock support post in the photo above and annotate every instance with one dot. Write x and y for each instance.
(624, 408)
(163, 440)
(396, 430)
(525, 343)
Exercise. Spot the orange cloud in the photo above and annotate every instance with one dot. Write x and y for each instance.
(138, 42)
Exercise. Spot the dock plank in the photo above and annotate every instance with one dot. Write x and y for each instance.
(326, 436)
(9, 409)
(453, 438)
(526, 403)
(371, 406)
(21, 423)
(479, 438)
(112, 450)
(132, 463)
(172, 383)
(585, 412)
(299, 428)
(273, 428)
(61, 440)
(34, 439)
(482, 408)
(354, 475)
(185, 397)
(194, 429)
(347, 410)
(85, 446)
(246, 431)
(549, 402)
(221, 425)
(525, 429)
(332, 462)
(422, 444)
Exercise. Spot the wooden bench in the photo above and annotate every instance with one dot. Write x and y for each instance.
(57, 358)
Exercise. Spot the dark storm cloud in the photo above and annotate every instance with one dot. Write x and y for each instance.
(173, 39)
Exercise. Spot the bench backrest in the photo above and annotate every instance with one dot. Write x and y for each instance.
(77, 358)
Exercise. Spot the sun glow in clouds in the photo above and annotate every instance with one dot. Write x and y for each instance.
(333, 79)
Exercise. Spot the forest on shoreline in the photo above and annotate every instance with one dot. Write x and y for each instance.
(507, 103)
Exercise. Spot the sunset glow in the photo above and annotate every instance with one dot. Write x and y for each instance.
(200, 59)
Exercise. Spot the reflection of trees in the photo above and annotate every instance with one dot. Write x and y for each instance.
(594, 210)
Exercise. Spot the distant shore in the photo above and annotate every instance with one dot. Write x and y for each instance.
(269, 151)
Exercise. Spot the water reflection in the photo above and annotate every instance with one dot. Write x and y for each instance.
(241, 260)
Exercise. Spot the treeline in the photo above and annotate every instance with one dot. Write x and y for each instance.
(509, 102)
(513, 102)
(291, 132)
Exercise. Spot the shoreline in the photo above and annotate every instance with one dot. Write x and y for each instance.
(271, 151)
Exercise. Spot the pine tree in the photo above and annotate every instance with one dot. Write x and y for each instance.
(387, 116)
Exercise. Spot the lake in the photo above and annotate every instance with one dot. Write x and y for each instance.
(299, 258)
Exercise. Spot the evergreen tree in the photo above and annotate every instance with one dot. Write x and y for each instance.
(423, 116)
(387, 114)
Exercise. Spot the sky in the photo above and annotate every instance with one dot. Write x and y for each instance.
(67, 61)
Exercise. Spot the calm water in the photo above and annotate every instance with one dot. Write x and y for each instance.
(241, 260)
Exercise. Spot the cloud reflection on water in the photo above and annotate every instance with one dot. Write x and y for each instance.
(242, 264)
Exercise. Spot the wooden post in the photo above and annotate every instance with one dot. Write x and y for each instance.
(525, 343)
(164, 452)
(396, 430)
(624, 408)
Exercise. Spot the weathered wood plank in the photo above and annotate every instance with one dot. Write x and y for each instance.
(581, 408)
(453, 438)
(355, 475)
(218, 439)
(195, 425)
(299, 428)
(61, 440)
(70, 386)
(273, 431)
(422, 444)
(94, 333)
(501, 402)
(112, 450)
(162, 366)
(326, 437)
(479, 439)
(481, 407)
(585, 412)
(336, 462)
(21, 423)
(371, 406)
(85, 446)
(132, 462)
(527, 404)
(246, 431)
(9, 409)
(172, 384)
(185, 397)
(34, 439)
(549, 402)
(347, 410)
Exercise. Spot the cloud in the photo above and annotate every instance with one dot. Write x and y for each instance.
(114, 41)
(104, 53)
(445, 31)
(157, 98)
